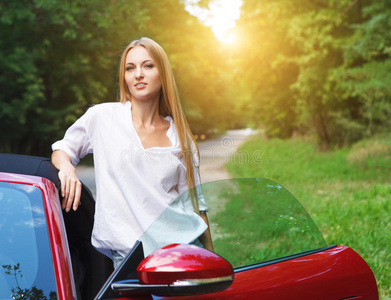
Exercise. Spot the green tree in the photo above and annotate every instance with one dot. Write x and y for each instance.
(19, 293)
(56, 58)
(59, 57)
(317, 66)
(362, 83)
(266, 69)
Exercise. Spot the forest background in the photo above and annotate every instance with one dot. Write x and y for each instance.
(303, 67)
(312, 75)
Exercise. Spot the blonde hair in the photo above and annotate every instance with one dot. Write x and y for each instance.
(169, 105)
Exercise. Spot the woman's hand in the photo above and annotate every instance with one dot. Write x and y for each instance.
(70, 184)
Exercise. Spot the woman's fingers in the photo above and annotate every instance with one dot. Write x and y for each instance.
(77, 201)
(63, 184)
(71, 195)
(64, 187)
(70, 191)
(74, 195)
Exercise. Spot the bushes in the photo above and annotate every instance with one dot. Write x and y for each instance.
(371, 153)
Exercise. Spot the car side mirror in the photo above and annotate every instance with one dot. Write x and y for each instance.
(178, 270)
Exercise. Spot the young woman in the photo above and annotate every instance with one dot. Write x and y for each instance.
(145, 156)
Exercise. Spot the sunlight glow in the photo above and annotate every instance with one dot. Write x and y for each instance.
(220, 16)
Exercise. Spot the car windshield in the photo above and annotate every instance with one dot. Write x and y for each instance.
(25, 255)
(251, 221)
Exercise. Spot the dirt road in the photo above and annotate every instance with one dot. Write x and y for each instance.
(215, 153)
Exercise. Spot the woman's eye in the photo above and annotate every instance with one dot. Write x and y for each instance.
(129, 68)
(149, 66)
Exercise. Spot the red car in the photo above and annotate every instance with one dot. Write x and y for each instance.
(267, 247)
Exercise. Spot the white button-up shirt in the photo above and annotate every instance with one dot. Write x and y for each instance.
(134, 185)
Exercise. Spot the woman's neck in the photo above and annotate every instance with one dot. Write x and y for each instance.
(145, 113)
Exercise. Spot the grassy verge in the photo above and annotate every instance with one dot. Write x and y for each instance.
(260, 221)
(347, 192)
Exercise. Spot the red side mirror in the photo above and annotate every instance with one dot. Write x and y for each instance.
(181, 262)
(179, 269)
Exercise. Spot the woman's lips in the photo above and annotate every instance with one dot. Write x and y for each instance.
(140, 85)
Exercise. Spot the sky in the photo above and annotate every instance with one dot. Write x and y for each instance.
(220, 16)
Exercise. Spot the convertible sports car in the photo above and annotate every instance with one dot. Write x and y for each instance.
(267, 247)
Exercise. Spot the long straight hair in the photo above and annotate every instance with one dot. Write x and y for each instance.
(169, 105)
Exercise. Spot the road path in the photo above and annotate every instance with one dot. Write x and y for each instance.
(214, 153)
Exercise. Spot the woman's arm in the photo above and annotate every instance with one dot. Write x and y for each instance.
(70, 184)
(206, 237)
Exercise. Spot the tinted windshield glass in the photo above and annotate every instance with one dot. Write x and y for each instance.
(254, 220)
(25, 256)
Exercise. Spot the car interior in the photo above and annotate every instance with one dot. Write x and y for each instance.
(90, 267)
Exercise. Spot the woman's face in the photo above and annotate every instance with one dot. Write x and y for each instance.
(141, 75)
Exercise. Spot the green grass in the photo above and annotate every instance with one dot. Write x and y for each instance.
(347, 192)
(260, 221)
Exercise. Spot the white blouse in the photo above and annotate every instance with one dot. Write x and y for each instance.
(134, 185)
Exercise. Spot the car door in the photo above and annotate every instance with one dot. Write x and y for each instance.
(275, 248)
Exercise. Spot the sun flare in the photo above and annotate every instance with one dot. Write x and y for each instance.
(220, 16)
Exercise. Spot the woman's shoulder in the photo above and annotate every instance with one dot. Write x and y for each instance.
(100, 112)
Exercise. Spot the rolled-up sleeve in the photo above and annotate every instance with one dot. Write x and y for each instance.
(76, 142)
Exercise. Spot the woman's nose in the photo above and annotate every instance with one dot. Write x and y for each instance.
(139, 73)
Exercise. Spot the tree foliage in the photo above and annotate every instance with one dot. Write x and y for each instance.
(59, 57)
(319, 66)
(308, 67)
(19, 293)
(362, 83)
(56, 58)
